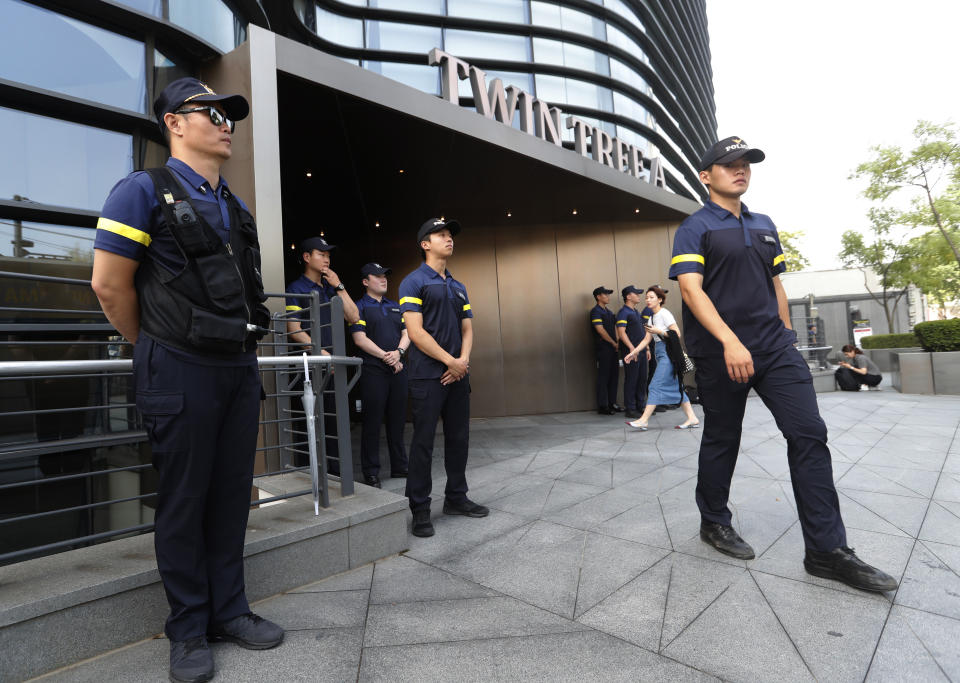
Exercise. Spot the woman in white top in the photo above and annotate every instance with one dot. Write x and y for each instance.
(664, 387)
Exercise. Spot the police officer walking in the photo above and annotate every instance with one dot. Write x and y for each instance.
(319, 277)
(176, 270)
(632, 332)
(603, 322)
(438, 317)
(727, 260)
(382, 341)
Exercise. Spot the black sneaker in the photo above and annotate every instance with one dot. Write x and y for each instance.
(372, 480)
(726, 540)
(422, 526)
(842, 564)
(190, 660)
(466, 507)
(249, 631)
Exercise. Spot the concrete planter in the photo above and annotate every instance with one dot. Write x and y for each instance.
(927, 373)
(886, 359)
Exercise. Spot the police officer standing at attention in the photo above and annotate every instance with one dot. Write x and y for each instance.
(632, 333)
(437, 313)
(727, 260)
(603, 323)
(318, 276)
(382, 340)
(176, 270)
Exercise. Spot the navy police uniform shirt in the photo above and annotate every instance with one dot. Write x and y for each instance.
(300, 308)
(382, 322)
(738, 258)
(443, 304)
(129, 225)
(603, 317)
(629, 319)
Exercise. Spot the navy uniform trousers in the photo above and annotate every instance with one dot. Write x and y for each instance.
(202, 421)
(782, 380)
(608, 375)
(635, 383)
(384, 399)
(431, 401)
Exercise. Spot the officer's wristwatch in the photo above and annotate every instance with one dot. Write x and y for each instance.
(402, 352)
(340, 287)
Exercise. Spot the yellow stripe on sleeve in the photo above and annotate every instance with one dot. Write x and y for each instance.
(362, 322)
(466, 307)
(687, 258)
(411, 300)
(138, 236)
(621, 322)
(779, 259)
(293, 308)
(596, 320)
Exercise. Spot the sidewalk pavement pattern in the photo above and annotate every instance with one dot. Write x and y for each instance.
(590, 567)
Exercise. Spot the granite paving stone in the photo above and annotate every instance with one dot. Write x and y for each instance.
(403, 579)
(942, 525)
(932, 579)
(917, 645)
(312, 611)
(903, 512)
(355, 579)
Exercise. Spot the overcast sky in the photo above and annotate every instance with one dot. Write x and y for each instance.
(815, 85)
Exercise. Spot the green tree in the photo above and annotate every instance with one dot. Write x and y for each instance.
(788, 241)
(930, 266)
(883, 253)
(929, 174)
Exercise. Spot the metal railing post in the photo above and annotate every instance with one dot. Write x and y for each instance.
(341, 399)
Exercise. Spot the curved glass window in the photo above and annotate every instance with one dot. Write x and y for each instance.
(386, 35)
(467, 44)
(566, 19)
(512, 11)
(86, 62)
(625, 106)
(421, 6)
(57, 162)
(165, 71)
(45, 241)
(340, 30)
(558, 91)
(547, 51)
(620, 8)
(618, 38)
(625, 74)
(211, 20)
(524, 81)
(151, 7)
(419, 76)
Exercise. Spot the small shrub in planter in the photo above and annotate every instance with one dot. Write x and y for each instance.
(890, 341)
(939, 335)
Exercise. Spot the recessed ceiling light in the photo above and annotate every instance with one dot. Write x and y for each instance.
(509, 214)
(309, 174)
(377, 224)
(321, 234)
(293, 246)
(401, 170)
(636, 210)
(574, 212)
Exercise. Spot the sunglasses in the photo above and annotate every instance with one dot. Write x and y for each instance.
(216, 118)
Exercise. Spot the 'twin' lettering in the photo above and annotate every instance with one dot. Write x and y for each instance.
(538, 118)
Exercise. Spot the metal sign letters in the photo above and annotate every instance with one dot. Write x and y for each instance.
(538, 118)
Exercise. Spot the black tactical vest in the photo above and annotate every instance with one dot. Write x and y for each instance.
(206, 307)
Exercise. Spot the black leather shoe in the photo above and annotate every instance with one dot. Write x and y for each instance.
(422, 526)
(467, 508)
(604, 411)
(398, 474)
(726, 540)
(842, 564)
(631, 413)
(616, 408)
(190, 660)
(249, 631)
(371, 480)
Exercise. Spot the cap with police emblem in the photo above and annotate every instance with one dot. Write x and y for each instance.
(436, 225)
(317, 243)
(184, 90)
(374, 269)
(727, 150)
(602, 290)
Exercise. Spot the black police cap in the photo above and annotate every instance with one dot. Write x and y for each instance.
(191, 90)
(630, 289)
(374, 269)
(727, 150)
(317, 243)
(602, 290)
(436, 225)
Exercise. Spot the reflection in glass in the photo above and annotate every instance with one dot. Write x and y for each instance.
(425, 6)
(421, 77)
(385, 35)
(546, 51)
(165, 71)
(73, 58)
(340, 30)
(151, 7)
(211, 20)
(621, 8)
(467, 44)
(512, 11)
(567, 19)
(620, 39)
(56, 162)
(46, 242)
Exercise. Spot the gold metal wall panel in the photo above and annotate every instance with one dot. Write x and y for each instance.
(586, 259)
(533, 352)
(643, 258)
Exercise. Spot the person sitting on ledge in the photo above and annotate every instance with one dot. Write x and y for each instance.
(859, 374)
